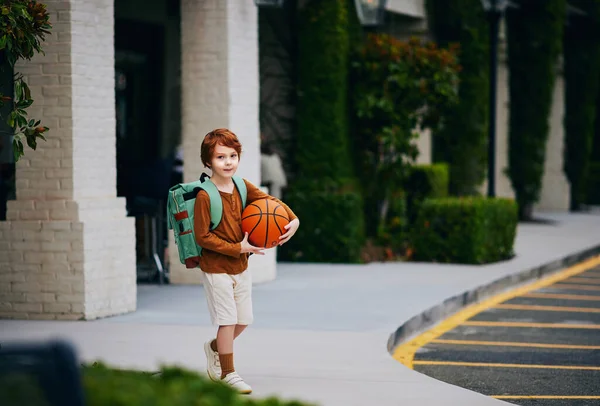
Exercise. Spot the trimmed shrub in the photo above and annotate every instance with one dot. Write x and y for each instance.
(105, 386)
(425, 182)
(324, 193)
(582, 64)
(534, 38)
(332, 227)
(593, 184)
(472, 230)
(463, 140)
(399, 87)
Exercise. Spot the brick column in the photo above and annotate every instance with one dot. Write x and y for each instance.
(67, 250)
(220, 88)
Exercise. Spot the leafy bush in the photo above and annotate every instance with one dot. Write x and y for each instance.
(105, 386)
(399, 88)
(425, 182)
(332, 227)
(472, 230)
(534, 38)
(462, 142)
(582, 82)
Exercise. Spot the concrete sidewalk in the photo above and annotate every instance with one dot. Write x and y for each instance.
(321, 332)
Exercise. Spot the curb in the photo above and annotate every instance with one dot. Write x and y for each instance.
(424, 321)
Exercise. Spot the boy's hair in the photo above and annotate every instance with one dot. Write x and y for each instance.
(220, 136)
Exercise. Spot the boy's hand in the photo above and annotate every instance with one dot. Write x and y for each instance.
(291, 227)
(247, 247)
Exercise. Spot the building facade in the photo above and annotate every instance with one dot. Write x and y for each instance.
(123, 86)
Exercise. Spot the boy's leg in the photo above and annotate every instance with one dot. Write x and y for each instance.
(221, 305)
(239, 328)
(221, 297)
(225, 348)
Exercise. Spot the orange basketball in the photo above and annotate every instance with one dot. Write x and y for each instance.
(264, 221)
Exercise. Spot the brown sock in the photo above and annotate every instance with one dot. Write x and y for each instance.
(213, 345)
(226, 364)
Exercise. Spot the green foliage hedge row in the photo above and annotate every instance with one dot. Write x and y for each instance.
(534, 38)
(324, 194)
(105, 386)
(472, 230)
(582, 82)
(425, 182)
(463, 141)
(331, 229)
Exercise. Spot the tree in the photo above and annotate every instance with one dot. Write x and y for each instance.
(23, 27)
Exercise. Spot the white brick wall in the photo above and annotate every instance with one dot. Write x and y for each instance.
(67, 250)
(221, 89)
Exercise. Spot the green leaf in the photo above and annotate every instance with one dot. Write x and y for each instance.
(31, 123)
(31, 141)
(16, 150)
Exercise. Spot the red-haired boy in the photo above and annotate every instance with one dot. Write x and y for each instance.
(225, 251)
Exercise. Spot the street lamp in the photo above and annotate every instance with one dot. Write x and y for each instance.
(370, 12)
(494, 10)
(269, 3)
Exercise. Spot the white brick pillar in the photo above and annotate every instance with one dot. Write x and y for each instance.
(67, 250)
(220, 88)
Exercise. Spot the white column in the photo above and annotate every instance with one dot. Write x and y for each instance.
(220, 88)
(67, 250)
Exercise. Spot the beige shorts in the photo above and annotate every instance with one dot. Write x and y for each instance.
(229, 298)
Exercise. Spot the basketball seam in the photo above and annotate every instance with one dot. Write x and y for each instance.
(267, 214)
(274, 215)
(267, 228)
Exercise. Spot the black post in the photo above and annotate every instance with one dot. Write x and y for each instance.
(494, 24)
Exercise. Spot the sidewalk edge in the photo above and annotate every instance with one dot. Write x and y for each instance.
(430, 317)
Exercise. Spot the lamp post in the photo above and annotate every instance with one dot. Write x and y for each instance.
(494, 10)
(370, 12)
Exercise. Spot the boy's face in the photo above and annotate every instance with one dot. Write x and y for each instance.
(225, 161)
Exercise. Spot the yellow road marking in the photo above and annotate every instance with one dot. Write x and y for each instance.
(549, 308)
(561, 296)
(515, 344)
(405, 352)
(591, 281)
(573, 287)
(498, 365)
(534, 325)
(543, 397)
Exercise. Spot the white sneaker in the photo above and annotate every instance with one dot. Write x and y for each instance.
(213, 364)
(237, 383)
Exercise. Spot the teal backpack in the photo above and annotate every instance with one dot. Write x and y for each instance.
(180, 214)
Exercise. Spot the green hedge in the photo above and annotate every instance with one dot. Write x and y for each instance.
(582, 64)
(324, 194)
(322, 142)
(463, 141)
(423, 182)
(593, 184)
(104, 386)
(473, 230)
(534, 41)
(331, 224)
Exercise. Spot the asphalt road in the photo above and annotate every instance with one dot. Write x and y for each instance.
(542, 348)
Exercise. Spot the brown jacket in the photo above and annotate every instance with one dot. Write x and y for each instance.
(221, 247)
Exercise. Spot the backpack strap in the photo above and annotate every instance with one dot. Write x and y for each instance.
(241, 187)
(216, 204)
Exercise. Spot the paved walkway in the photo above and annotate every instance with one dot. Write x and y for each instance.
(321, 331)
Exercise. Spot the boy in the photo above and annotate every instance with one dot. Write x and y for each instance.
(225, 252)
